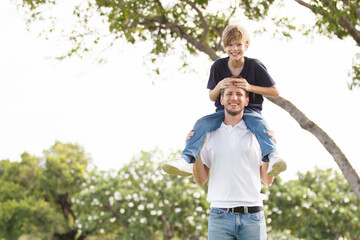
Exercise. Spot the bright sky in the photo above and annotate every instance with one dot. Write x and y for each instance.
(114, 110)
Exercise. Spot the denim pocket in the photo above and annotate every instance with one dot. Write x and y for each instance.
(216, 213)
(257, 216)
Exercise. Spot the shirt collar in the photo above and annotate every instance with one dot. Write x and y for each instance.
(240, 125)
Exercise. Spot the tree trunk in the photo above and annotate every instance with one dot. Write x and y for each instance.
(70, 235)
(349, 172)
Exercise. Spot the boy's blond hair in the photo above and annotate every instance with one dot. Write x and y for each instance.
(235, 32)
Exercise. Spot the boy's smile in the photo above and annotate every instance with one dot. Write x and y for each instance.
(236, 49)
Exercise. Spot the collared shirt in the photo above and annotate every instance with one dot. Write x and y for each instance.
(234, 157)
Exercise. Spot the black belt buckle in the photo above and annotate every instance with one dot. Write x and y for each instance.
(241, 210)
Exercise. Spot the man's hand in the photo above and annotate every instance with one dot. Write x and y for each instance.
(190, 134)
(271, 134)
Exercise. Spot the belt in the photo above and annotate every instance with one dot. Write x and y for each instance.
(243, 209)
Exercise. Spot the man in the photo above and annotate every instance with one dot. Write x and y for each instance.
(234, 157)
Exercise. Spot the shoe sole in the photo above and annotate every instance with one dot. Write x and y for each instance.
(174, 171)
(277, 168)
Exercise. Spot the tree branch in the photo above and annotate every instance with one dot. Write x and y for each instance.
(353, 32)
(162, 9)
(339, 157)
(204, 24)
(219, 45)
(357, 10)
(180, 32)
(305, 4)
(343, 21)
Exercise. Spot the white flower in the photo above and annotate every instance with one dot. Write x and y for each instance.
(117, 195)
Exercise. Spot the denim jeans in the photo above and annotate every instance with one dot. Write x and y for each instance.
(229, 226)
(253, 120)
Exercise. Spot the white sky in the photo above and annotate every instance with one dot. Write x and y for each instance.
(114, 110)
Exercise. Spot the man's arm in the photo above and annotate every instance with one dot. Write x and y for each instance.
(267, 180)
(201, 172)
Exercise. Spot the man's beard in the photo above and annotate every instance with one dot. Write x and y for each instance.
(233, 113)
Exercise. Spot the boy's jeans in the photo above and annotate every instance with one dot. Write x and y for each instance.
(229, 226)
(253, 120)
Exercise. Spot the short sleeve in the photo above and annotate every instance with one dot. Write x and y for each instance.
(262, 76)
(212, 82)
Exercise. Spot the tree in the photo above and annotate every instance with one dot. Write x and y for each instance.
(197, 27)
(23, 210)
(57, 197)
(36, 192)
(140, 202)
(340, 19)
(318, 205)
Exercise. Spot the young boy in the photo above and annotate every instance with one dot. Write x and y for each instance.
(249, 74)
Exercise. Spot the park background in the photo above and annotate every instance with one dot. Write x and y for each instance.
(118, 108)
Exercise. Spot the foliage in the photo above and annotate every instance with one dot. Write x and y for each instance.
(340, 19)
(194, 23)
(319, 205)
(34, 192)
(198, 25)
(58, 197)
(139, 202)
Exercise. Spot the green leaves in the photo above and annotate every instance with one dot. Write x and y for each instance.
(355, 72)
(320, 205)
(57, 195)
(194, 22)
(65, 169)
(139, 202)
(24, 208)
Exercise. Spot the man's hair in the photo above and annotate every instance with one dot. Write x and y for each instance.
(235, 32)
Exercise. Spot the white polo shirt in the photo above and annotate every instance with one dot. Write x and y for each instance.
(234, 157)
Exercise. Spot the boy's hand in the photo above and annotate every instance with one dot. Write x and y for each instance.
(242, 83)
(226, 82)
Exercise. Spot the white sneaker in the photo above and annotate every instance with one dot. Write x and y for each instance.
(276, 166)
(178, 167)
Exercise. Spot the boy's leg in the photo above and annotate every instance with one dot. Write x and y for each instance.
(256, 123)
(193, 147)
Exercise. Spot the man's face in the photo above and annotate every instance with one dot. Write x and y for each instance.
(236, 49)
(234, 100)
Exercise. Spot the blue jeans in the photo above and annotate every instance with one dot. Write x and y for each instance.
(229, 226)
(253, 120)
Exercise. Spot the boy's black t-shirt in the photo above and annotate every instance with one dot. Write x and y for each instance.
(253, 71)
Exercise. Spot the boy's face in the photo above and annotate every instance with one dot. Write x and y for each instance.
(236, 49)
